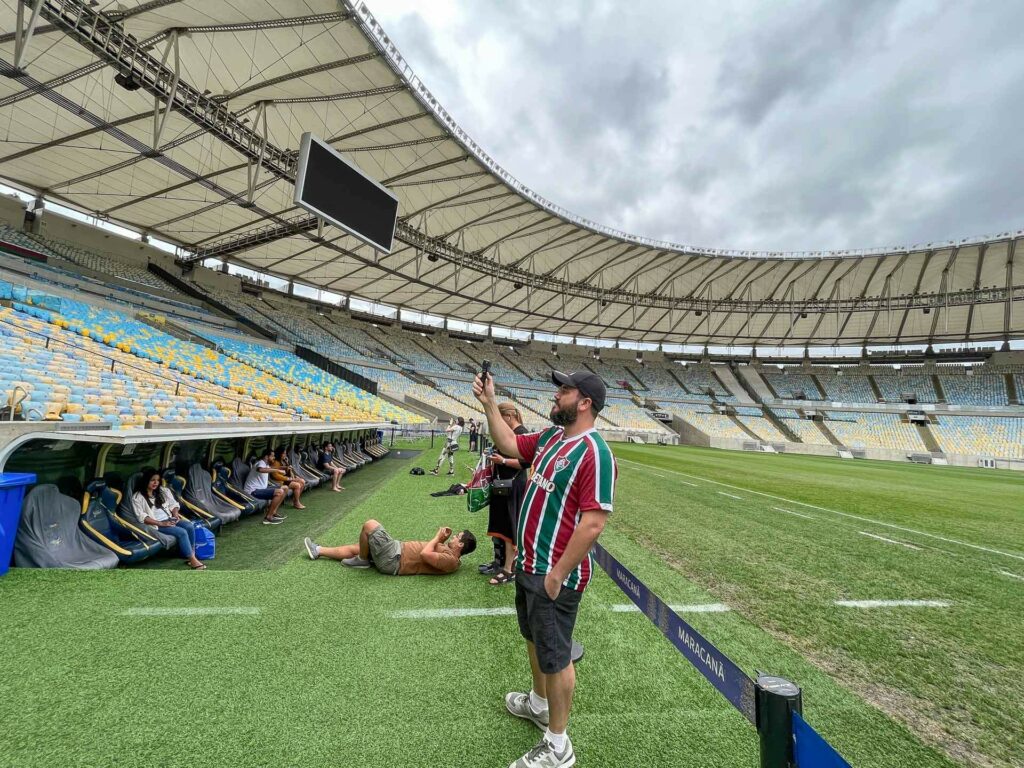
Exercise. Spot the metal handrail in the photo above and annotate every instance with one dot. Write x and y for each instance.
(13, 404)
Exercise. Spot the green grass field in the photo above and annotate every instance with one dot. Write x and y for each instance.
(320, 667)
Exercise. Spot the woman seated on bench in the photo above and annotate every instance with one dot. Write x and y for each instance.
(154, 506)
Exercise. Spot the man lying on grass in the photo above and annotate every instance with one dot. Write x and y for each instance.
(388, 555)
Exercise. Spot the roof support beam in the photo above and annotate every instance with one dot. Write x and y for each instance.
(22, 33)
(1011, 247)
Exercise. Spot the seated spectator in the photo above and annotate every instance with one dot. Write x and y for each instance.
(388, 555)
(257, 485)
(326, 463)
(283, 473)
(155, 507)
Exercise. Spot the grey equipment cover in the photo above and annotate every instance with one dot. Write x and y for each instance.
(49, 536)
(200, 491)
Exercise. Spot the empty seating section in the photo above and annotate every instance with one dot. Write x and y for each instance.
(461, 392)
(130, 335)
(658, 381)
(708, 422)
(876, 430)
(1001, 436)
(537, 367)
(613, 374)
(627, 415)
(893, 385)
(802, 428)
(535, 406)
(408, 351)
(105, 264)
(396, 384)
(339, 398)
(54, 274)
(754, 420)
(790, 385)
(76, 378)
(983, 389)
(845, 387)
(699, 380)
(506, 372)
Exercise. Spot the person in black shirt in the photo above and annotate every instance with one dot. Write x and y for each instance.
(504, 509)
(474, 434)
(326, 462)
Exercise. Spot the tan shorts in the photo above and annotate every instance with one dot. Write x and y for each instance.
(385, 551)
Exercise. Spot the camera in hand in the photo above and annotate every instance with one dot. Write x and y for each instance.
(485, 371)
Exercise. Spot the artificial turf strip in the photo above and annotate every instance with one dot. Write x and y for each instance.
(954, 675)
(250, 545)
(325, 675)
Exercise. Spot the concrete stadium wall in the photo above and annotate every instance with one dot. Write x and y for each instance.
(12, 211)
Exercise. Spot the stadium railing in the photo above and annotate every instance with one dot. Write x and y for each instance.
(774, 706)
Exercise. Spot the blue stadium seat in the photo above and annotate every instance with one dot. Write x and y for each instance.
(101, 523)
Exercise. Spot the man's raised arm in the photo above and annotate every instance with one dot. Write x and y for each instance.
(501, 433)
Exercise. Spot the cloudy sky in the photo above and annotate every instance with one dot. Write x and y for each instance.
(771, 125)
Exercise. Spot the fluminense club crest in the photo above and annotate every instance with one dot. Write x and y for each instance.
(561, 463)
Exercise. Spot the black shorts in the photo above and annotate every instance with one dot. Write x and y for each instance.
(547, 623)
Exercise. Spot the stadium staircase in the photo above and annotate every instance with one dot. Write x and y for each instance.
(829, 435)
(744, 427)
(755, 384)
(191, 289)
(513, 364)
(429, 353)
(1012, 395)
(940, 393)
(636, 378)
(172, 328)
(821, 389)
(729, 381)
(875, 389)
(679, 381)
(928, 438)
(781, 425)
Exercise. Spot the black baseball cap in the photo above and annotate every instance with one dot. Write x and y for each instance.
(589, 384)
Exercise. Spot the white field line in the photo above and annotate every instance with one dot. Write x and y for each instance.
(837, 512)
(791, 512)
(894, 603)
(889, 541)
(663, 477)
(453, 613)
(731, 496)
(209, 611)
(699, 608)
(1011, 575)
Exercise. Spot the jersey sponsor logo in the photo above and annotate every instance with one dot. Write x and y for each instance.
(543, 483)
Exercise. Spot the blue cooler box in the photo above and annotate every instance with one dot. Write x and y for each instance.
(206, 545)
(12, 494)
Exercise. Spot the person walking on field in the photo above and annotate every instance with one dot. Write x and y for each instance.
(567, 502)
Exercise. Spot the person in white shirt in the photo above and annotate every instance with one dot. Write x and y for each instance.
(257, 485)
(451, 445)
(155, 506)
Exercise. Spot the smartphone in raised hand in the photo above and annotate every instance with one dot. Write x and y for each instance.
(485, 371)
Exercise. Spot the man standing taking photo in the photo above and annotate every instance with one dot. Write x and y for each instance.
(565, 508)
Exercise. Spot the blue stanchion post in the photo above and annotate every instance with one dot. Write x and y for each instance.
(777, 699)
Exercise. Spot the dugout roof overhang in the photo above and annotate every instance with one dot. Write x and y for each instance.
(214, 174)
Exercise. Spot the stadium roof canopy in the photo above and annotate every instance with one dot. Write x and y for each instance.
(84, 119)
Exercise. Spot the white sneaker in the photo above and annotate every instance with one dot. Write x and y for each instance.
(311, 548)
(518, 704)
(544, 756)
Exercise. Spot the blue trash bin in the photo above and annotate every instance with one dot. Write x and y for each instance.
(12, 493)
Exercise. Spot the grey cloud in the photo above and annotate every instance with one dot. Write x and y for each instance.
(773, 126)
